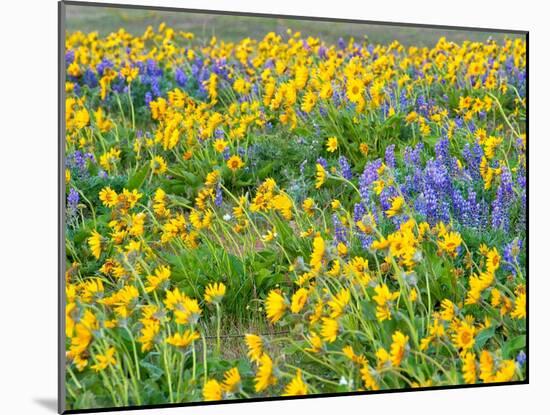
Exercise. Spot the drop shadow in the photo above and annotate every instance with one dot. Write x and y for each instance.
(48, 403)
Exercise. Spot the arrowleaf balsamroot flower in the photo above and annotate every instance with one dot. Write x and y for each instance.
(231, 380)
(264, 376)
(275, 306)
(104, 360)
(183, 340)
(235, 163)
(255, 347)
(212, 391)
(160, 277)
(214, 292)
(96, 244)
(396, 208)
(297, 386)
(332, 144)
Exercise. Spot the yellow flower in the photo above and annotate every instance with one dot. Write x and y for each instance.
(396, 207)
(183, 340)
(339, 302)
(505, 372)
(308, 205)
(235, 163)
(214, 293)
(318, 253)
(255, 347)
(109, 159)
(469, 369)
(368, 378)
(283, 203)
(329, 329)
(104, 360)
(296, 386)
(264, 376)
(464, 338)
(398, 348)
(332, 144)
(103, 123)
(355, 90)
(231, 380)
(316, 343)
(220, 145)
(270, 235)
(162, 274)
(148, 334)
(158, 165)
(450, 243)
(188, 311)
(108, 197)
(298, 300)
(320, 175)
(493, 260)
(486, 366)
(447, 311)
(384, 299)
(275, 306)
(342, 249)
(212, 391)
(520, 307)
(96, 244)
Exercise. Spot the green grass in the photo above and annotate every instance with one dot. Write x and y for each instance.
(232, 28)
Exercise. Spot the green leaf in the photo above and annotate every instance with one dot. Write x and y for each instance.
(138, 178)
(484, 336)
(154, 371)
(512, 346)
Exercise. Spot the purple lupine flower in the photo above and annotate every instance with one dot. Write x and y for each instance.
(340, 232)
(322, 162)
(437, 175)
(69, 56)
(89, 78)
(472, 157)
(226, 154)
(472, 209)
(390, 156)
(180, 77)
(501, 203)
(218, 200)
(521, 358)
(72, 199)
(430, 204)
(104, 64)
(459, 205)
(345, 168)
(386, 197)
(341, 43)
(403, 101)
(148, 98)
(358, 212)
(412, 156)
(370, 174)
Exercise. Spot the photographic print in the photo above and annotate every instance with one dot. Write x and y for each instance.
(257, 207)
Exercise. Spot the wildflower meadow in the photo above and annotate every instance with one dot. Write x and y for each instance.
(291, 216)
